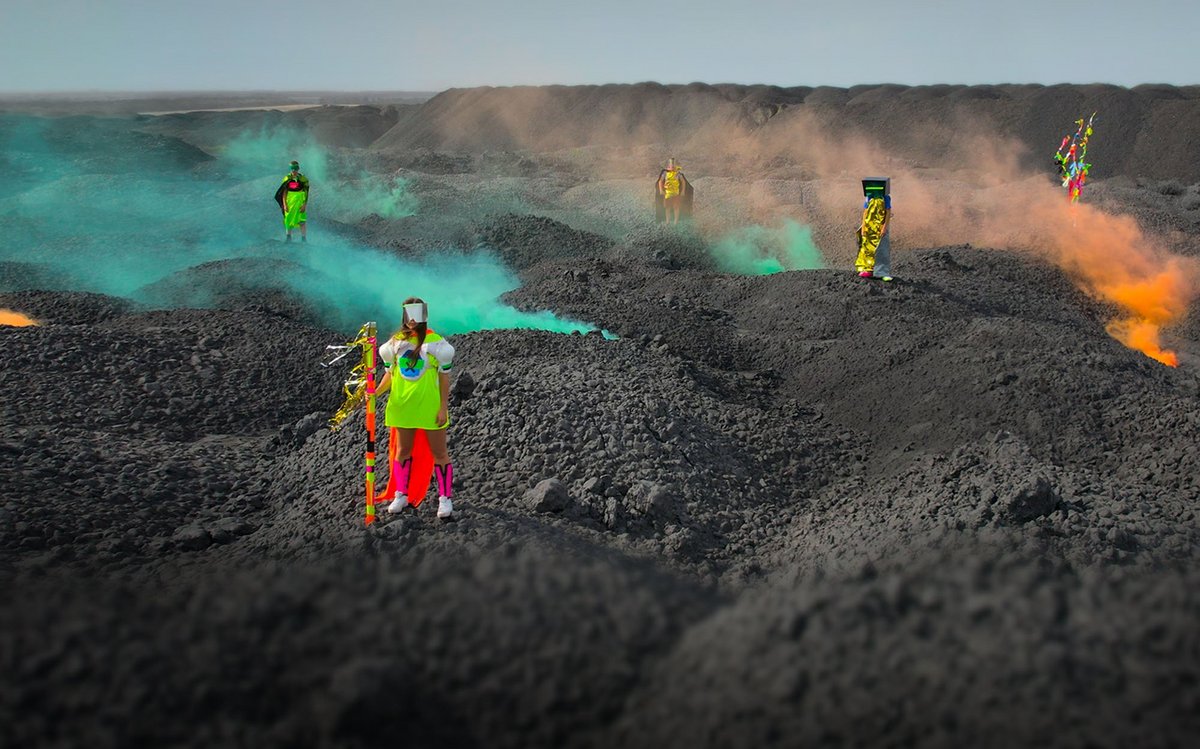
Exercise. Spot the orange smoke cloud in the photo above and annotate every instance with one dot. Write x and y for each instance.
(1107, 255)
(1114, 261)
(15, 319)
(976, 192)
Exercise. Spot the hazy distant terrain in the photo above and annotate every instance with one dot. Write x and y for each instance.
(118, 103)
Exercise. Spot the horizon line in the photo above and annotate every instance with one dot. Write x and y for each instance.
(418, 91)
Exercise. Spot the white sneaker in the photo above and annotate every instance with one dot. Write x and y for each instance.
(445, 507)
(398, 505)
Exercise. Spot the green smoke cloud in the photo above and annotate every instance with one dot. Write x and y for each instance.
(352, 284)
(90, 205)
(760, 250)
(344, 190)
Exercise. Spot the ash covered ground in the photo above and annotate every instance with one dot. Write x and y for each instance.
(787, 509)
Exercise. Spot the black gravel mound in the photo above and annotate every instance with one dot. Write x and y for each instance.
(986, 646)
(154, 421)
(19, 276)
(1141, 131)
(667, 247)
(65, 308)
(791, 508)
(439, 638)
(252, 284)
(523, 241)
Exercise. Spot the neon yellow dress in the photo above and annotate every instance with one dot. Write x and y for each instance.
(415, 395)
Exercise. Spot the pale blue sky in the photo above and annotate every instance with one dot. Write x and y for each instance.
(133, 45)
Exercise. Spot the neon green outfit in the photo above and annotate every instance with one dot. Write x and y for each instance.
(415, 394)
(295, 197)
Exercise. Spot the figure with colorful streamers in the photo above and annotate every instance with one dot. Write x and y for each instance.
(1071, 159)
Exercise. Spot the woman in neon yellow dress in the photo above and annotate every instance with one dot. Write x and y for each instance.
(418, 363)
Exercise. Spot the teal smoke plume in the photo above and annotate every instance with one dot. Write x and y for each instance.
(760, 250)
(346, 192)
(91, 205)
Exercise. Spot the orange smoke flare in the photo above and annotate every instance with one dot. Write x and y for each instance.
(15, 319)
(973, 188)
(1114, 261)
(1107, 255)
(1142, 335)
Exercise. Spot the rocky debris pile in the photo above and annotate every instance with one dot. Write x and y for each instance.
(180, 374)
(119, 433)
(669, 466)
(255, 284)
(436, 162)
(966, 342)
(16, 276)
(666, 247)
(65, 307)
(526, 241)
(985, 644)
(995, 489)
(1168, 208)
(522, 644)
(97, 500)
(523, 241)
(1143, 131)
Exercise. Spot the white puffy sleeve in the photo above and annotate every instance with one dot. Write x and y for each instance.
(443, 352)
(388, 352)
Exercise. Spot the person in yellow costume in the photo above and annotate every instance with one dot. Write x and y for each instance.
(673, 193)
(874, 244)
(418, 363)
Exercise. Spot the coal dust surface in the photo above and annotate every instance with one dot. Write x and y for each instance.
(711, 488)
